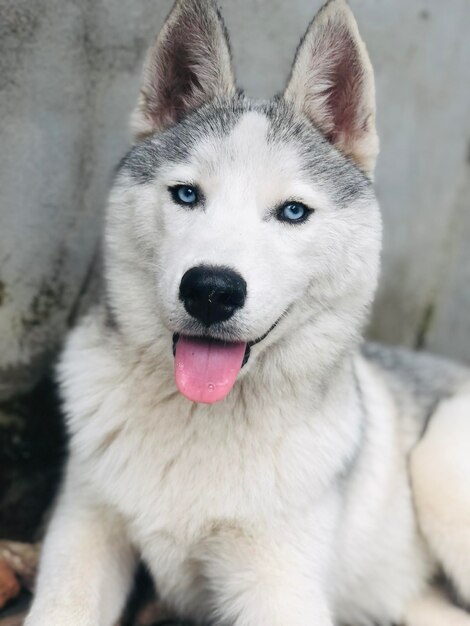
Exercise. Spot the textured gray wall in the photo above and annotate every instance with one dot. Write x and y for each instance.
(68, 79)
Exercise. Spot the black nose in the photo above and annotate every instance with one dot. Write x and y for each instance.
(212, 294)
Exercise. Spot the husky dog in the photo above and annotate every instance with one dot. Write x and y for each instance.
(226, 426)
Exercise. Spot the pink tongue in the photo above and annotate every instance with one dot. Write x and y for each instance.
(206, 370)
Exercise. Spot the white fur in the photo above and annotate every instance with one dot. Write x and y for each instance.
(433, 609)
(289, 502)
(234, 507)
(440, 472)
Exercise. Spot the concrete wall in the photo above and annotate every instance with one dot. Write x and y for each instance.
(68, 79)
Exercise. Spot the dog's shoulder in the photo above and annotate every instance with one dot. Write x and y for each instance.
(418, 381)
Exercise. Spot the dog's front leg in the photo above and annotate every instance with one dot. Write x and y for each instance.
(268, 580)
(86, 567)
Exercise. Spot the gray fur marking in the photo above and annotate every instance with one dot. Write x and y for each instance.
(321, 160)
(417, 379)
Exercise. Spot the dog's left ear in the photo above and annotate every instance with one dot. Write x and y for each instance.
(332, 83)
(189, 65)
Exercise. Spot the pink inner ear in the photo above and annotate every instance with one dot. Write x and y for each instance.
(332, 83)
(188, 65)
(344, 97)
(176, 83)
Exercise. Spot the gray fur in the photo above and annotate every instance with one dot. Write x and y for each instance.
(323, 162)
(418, 381)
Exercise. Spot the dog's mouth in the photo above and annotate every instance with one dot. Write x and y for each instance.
(206, 368)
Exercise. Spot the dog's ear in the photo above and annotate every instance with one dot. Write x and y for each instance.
(332, 83)
(188, 65)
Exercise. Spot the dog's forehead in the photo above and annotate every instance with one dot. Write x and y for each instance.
(257, 136)
(251, 127)
(248, 136)
(248, 147)
(228, 131)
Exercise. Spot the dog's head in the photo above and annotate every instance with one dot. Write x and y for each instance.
(233, 224)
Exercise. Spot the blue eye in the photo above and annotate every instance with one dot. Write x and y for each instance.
(293, 212)
(186, 195)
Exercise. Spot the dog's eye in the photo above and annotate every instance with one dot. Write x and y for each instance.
(186, 195)
(294, 212)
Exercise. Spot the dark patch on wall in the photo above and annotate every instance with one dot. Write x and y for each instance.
(2, 292)
(424, 326)
(19, 23)
(38, 334)
(424, 14)
(49, 297)
(106, 59)
(47, 300)
(90, 289)
(19, 377)
(32, 451)
(115, 59)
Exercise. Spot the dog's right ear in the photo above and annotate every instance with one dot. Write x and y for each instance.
(332, 83)
(188, 65)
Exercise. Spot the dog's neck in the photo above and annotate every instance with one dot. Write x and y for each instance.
(311, 361)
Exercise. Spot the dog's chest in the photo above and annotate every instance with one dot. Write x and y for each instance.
(178, 471)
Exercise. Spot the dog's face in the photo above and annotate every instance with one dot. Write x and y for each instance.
(230, 219)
